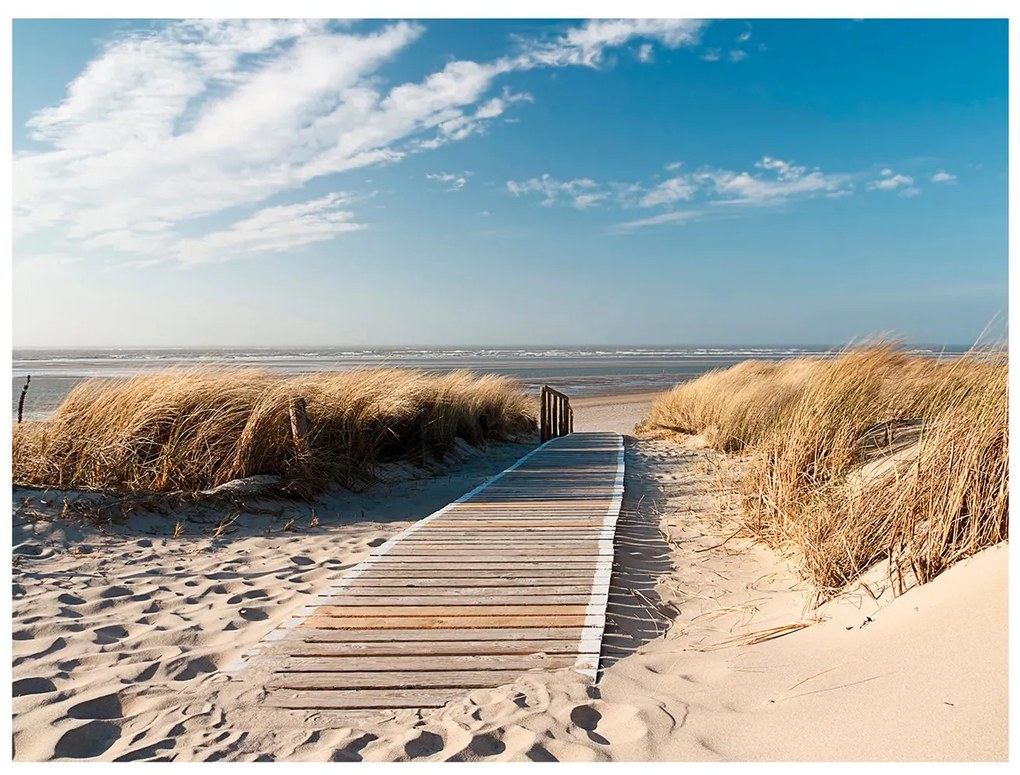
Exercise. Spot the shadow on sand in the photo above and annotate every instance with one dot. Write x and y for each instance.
(635, 615)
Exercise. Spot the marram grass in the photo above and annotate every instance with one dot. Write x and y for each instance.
(195, 429)
(809, 426)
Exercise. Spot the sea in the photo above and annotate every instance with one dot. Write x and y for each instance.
(576, 371)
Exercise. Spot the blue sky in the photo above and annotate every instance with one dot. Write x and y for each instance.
(479, 182)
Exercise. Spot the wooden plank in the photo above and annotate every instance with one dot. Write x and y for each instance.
(505, 594)
(362, 699)
(520, 581)
(450, 610)
(410, 679)
(414, 648)
(310, 634)
(432, 663)
(480, 572)
(439, 622)
(367, 601)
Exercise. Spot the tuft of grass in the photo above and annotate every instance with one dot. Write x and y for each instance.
(192, 430)
(869, 455)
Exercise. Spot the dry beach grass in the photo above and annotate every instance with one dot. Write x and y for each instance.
(827, 475)
(197, 429)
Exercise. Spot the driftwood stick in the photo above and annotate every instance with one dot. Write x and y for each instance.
(21, 401)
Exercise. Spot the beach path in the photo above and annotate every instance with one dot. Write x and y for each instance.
(511, 577)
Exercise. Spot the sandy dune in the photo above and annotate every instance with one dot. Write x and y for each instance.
(121, 637)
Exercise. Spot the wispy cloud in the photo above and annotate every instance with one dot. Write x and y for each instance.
(736, 55)
(586, 44)
(580, 193)
(671, 217)
(943, 177)
(712, 55)
(772, 182)
(273, 230)
(893, 181)
(194, 121)
(455, 181)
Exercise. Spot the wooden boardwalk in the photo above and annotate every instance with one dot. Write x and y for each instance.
(511, 577)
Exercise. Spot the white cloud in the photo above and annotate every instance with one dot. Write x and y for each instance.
(646, 52)
(456, 181)
(890, 181)
(201, 119)
(273, 229)
(586, 44)
(776, 182)
(672, 190)
(712, 55)
(737, 55)
(672, 217)
(581, 193)
(943, 177)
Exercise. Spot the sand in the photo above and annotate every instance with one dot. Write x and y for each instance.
(122, 636)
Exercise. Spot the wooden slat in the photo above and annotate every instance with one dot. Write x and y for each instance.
(450, 610)
(432, 663)
(400, 597)
(409, 679)
(362, 699)
(313, 635)
(418, 648)
(439, 622)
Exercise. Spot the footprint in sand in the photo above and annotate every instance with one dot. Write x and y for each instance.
(27, 686)
(425, 744)
(194, 668)
(112, 592)
(607, 723)
(107, 635)
(89, 740)
(352, 751)
(106, 707)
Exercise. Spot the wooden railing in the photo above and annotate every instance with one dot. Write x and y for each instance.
(557, 416)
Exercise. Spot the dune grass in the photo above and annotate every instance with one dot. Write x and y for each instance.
(809, 426)
(191, 430)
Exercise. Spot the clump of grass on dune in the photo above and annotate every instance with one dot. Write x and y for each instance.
(810, 426)
(192, 430)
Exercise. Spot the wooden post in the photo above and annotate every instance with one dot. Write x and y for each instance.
(555, 405)
(543, 426)
(299, 425)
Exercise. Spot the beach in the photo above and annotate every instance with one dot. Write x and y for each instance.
(126, 638)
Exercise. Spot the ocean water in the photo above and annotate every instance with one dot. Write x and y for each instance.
(576, 371)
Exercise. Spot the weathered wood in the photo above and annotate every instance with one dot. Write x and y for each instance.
(439, 622)
(401, 598)
(513, 578)
(418, 611)
(299, 425)
(362, 699)
(410, 679)
(502, 635)
(418, 648)
(507, 592)
(442, 662)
